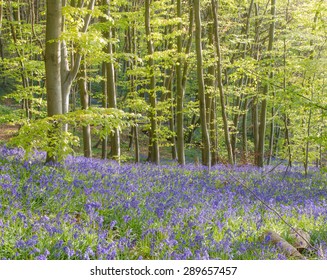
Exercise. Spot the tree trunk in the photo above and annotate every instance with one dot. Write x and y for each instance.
(214, 130)
(53, 57)
(211, 85)
(220, 84)
(16, 33)
(255, 120)
(53, 62)
(307, 143)
(104, 142)
(82, 83)
(206, 155)
(171, 122)
(263, 113)
(272, 134)
(255, 105)
(68, 75)
(112, 92)
(244, 133)
(179, 93)
(242, 82)
(154, 142)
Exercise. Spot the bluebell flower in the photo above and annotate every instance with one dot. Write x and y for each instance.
(126, 218)
(113, 224)
(70, 252)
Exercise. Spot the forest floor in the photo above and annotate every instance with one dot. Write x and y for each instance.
(95, 209)
(7, 131)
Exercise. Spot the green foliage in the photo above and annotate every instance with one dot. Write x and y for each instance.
(4, 110)
(9, 115)
(47, 134)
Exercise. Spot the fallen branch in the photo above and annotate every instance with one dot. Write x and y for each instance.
(286, 247)
(303, 238)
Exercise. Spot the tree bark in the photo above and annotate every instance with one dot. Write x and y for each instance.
(272, 135)
(112, 92)
(211, 86)
(206, 155)
(82, 83)
(53, 63)
(53, 57)
(154, 142)
(263, 113)
(104, 144)
(179, 93)
(220, 84)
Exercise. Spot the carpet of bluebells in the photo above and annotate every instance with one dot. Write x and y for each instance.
(94, 209)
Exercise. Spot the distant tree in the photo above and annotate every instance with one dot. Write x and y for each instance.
(154, 141)
(263, 113)
(206, 154)
(220, 83)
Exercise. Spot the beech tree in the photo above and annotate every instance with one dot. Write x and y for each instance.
(53, 57)
(206, 155)
(263, 114)
(155, 155)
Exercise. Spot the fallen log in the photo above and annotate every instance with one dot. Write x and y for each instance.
(281, 243)
(301, 239)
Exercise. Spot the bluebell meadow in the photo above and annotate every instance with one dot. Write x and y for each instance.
(95, 209)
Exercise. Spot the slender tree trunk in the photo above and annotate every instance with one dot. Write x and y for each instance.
(112, 92)
(194, 123)
(255, 120)
(154, 142)
(306, 161)
(168, 93)
(272, 133)
(263, 113)
(287, 138)
(171, 121)
(104, 141)
(220, 83)
(285, 117)
(136, 143)
(133, 46)
(214, 129)
(82, 83)
(244, 132)
(179, 92)
(211, 85)
(255, 105)
(322, 128)
(186, 63)
(307, 143)
(206, 155)
(2, 54)
(16, 33)
(242, 82)
(68, 75)
(276, 142)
